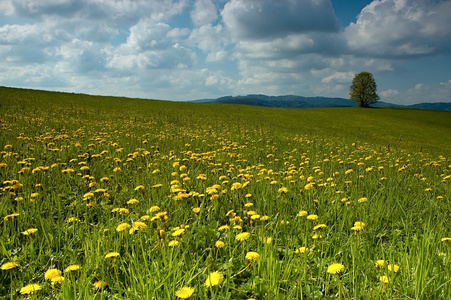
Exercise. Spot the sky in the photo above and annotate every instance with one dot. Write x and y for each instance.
(196, 49)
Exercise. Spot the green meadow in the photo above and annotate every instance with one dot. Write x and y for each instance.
(118, 198)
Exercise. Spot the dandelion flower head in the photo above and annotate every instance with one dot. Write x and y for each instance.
(52, 273)
(242, 236)
(30, 288)
(213, 279)
(335, 268)
(8, 266)
(184, 292)
(252, 256)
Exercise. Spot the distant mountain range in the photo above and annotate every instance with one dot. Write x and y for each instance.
(292, 101)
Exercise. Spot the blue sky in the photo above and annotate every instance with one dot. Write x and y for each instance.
(193, 49)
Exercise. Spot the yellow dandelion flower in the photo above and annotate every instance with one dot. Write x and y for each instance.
(178, 232)
(383, 279)
(312, 217)
(252, 256)
(154, 209)
(99, 284)
(301, 250)
(133, 201)
(201, 177)
(319, 226)
(264, 218)
(248, 204)
(122, 227)
(446, 239)
(242, 236)
(173, 243)
(360, 224)
(72, 219)
(10, 216)
(88, 195)
(137, 225)
(30, 288)
(184, 292)
(230, 213)
(112, 255)
(363, 199)
(309, 186)
(380, 263)
(140, 188)
(302, 213)
(236, 186)
(8, 266)
(267, 240)
(335, 268)
(223, 227)
(393, 268)
(71, 268)
(213, 279)
(283, 190)
(57, 279)
(29, 231)
(196, 210)
(52, 273)
(123, 211)
(317, 236)
(219, 244)
(255, 217)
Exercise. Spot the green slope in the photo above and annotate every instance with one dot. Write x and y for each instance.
(408, 129)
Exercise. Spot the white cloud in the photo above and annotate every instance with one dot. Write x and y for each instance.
(162, 48)
(432, 92)
(340, 77)
(204, 12)
(389, 93)
(399, 28)
(211, 39)
(263, 19)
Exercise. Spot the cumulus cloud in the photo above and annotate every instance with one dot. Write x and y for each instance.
(163, 48)
(439, 92)
(115, 11)
(389, 93)
(262, 19)
(342, 77)
(399, 28)
(211, 39)
(204, 12)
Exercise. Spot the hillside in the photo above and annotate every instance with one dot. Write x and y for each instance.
(120, 198)
(403, 128)
(292, 101)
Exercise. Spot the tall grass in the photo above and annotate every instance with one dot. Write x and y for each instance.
(70, 165)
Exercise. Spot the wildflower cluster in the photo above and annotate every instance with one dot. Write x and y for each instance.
(160, 203)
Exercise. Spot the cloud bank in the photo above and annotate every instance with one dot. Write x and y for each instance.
(183, 50)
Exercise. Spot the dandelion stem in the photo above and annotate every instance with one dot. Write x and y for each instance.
(244, 269)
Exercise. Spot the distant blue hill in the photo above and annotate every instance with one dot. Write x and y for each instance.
(292, 101)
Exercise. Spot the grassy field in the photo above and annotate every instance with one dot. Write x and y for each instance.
(116, 198)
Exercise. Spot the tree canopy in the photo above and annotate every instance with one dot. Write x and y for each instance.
(363, 89)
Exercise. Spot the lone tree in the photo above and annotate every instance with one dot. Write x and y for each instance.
(363, 89)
